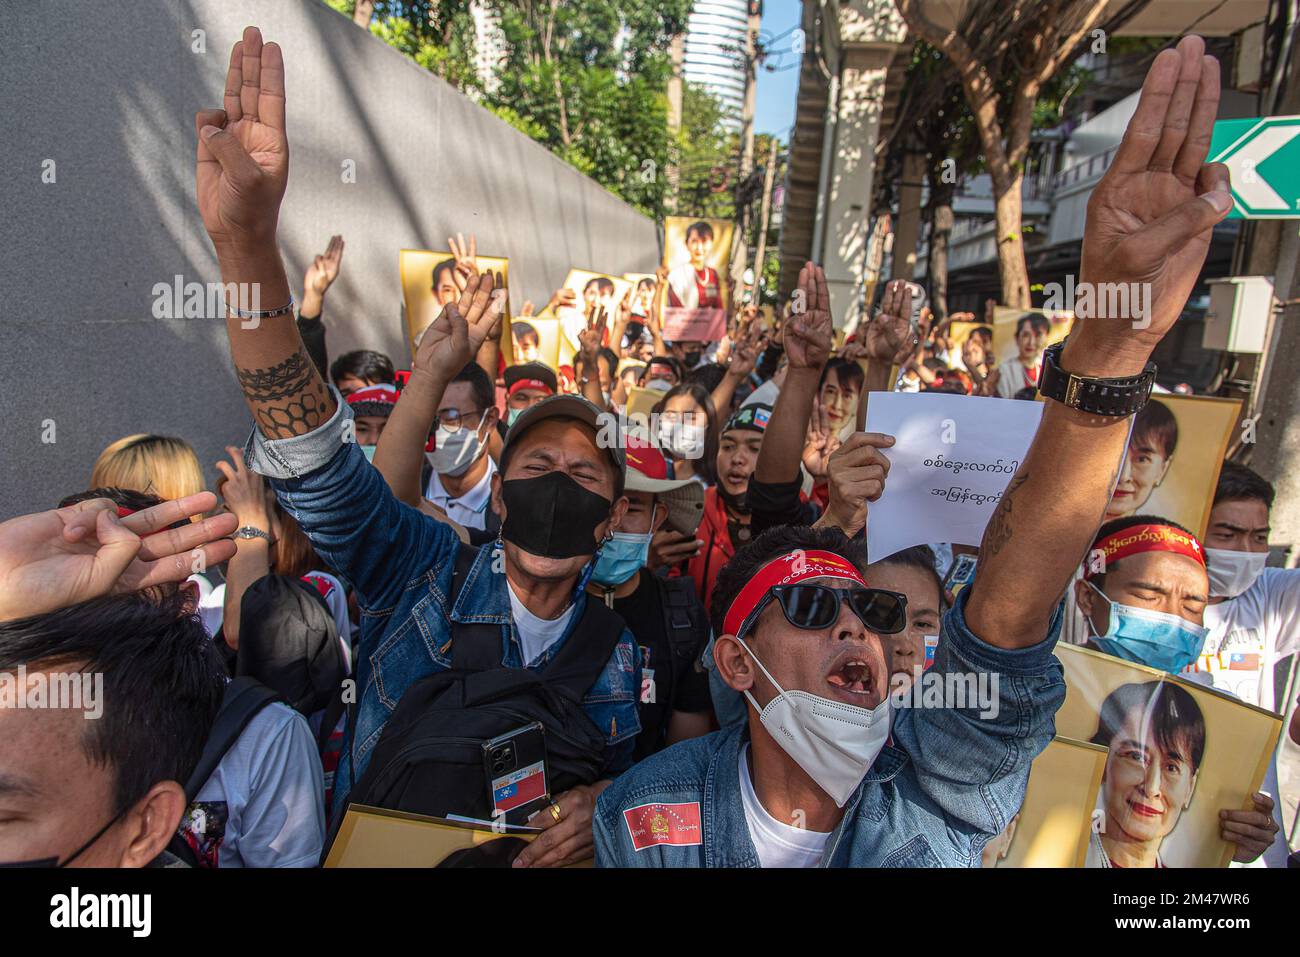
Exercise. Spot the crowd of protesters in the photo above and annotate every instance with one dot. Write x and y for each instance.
(687, 610)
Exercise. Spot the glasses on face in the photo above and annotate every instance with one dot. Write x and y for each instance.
(453, 419)
(814, 607)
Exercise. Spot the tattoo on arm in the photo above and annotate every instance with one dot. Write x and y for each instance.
(288, 398)
(998, 532)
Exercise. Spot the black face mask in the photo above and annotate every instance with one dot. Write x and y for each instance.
(552, 515)
(692, 359)
(736, 503)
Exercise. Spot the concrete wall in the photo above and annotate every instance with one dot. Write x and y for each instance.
(108, 91)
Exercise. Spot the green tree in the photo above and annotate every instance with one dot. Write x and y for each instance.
(586, 78)
(707, 157)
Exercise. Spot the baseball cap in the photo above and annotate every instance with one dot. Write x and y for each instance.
(753, 416)
(647, 471)
(608, 432)
(530, 375)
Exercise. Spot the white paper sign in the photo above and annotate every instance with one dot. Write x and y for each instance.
(952, 460)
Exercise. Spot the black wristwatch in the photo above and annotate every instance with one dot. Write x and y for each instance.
(1113, 397)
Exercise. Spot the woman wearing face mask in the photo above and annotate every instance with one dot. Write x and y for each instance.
(664, 614)
(685, 419)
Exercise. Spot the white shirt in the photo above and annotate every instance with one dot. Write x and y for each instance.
(1250, 633)
(1012, 377)
(469, 509)
(264, 805)
(778, 844)
(535, 634)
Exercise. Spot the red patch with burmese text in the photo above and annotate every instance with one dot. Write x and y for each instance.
(650, 825)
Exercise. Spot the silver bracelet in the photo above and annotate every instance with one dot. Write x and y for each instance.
(286, 309)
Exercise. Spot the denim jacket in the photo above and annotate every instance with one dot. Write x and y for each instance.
(947, 782)
(401, 564)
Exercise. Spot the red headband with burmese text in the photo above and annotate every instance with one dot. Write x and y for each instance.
(797, 566)
(1143, 538)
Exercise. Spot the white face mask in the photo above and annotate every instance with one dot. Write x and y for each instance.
(683, 440)
(835, 743)
(1231, 573)
(456, 451)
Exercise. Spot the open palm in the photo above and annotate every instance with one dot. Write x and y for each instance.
(243, 152)
(808, 333)
(1151, 217)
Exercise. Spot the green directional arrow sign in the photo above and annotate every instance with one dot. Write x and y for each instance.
(1263, 154)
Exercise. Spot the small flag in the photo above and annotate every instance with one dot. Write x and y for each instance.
(519, 787)
(649, 825)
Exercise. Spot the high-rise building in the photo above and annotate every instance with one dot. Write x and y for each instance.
(489, 45)
(714, 55)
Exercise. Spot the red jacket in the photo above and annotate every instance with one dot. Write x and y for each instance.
(717, 549)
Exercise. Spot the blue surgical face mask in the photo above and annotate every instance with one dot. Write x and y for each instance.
(512, 415)
(369, 452)
(621, 558)
(1151, 638)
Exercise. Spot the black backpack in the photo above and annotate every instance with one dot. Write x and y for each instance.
(429, 758)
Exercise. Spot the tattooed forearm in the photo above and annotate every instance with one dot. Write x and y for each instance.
(998, 532)
(281, 381)
(287, 399)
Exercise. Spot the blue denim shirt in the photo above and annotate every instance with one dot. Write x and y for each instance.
(947, 783)
(401, 564)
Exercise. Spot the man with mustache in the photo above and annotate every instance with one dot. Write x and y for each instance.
(559, 492)
(820, 774)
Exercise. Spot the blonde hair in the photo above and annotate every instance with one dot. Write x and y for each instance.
(164, 466)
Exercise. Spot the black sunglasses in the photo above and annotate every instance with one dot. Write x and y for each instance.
(813, 607)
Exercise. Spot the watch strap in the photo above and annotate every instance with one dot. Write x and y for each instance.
(1117, 397)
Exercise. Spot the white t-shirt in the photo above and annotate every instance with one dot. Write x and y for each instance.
(470, 509)
(778, 844)
(1012, 377)
(1250, 633)
(536, 634)
(264, 805)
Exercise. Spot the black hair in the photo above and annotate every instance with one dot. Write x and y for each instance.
(701, 227)
(1158, 424)
(481, 385)
(1039, 323)
(163, 682)
(983, 333)
(445, 264)
(364, 364)
(1118, 525)
(1169, 711)
(709, 375)
(706, 465)
(847, 372)
(780, 540)
(1238, 483)
(1028, 394)
(920, 557)
(522, 330)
